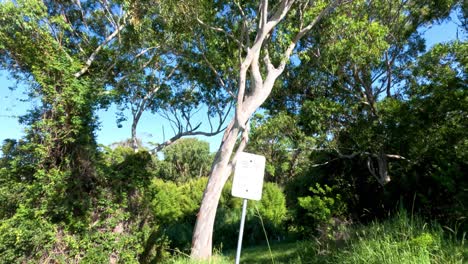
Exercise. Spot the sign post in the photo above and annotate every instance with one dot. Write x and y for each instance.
(247, 184)
(241, 231)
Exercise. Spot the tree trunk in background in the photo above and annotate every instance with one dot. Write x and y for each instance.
(136, 119)
(134, 138)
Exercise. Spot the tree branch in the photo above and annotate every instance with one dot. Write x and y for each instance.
(93, 55)
(217, 29)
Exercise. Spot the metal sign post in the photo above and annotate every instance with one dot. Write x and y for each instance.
(241, 231)
(247, 184)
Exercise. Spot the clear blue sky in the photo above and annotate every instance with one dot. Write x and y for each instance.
(150, 126)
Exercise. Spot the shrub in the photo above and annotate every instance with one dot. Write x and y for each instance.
(24, 237)
(187, 158)
(165, 201)
(272, 206)
(323, 203)
(271, 209)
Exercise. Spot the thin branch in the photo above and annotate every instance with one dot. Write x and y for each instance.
(371, 169)
(179, 135)
(145, 51)
(280, 13)
(263, 14)
(212, 68)
(109, 13)
(189, 129)
(96, 51)
(323, 164)
(217, 29)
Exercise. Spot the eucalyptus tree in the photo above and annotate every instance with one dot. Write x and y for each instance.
(262, 39)
(114, 50)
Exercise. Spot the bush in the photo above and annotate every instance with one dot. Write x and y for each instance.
(24, 237)
(272, 206)
(186, 159)
(323, 207)
(175, 206)
(271, 209)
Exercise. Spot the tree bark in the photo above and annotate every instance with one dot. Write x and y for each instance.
(136, 119)
(134, 137)
(220, 172)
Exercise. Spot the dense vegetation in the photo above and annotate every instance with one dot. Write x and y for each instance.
(365, 132)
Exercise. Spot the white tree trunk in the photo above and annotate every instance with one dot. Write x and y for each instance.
(203, 233)
(134, 136)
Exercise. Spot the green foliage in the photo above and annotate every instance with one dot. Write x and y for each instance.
(185, 159)
(283, 144)
(323, 204)
(319, 116)
(355, 36)
(174, 206)
(25, 236)
(65, 200)
(165, 201)
(402, 239)
(192, 190)
(48, 220)
(271, 210)
(272, 206)
(171, 202)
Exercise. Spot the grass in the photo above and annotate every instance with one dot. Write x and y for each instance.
(296, 252)
(401, 240)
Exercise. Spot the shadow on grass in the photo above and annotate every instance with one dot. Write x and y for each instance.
(296, 252)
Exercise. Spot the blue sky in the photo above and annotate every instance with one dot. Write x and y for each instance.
(150, 128)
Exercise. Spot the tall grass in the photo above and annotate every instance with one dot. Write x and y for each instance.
(402, 239)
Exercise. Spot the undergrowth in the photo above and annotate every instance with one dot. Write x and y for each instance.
(402, 239)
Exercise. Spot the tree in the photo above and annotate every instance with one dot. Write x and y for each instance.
(275, 43)
(329, 97)
(44, 44)
(360, 61)
(149, 78)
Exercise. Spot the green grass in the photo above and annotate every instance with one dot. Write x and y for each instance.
(400, 240)
(280, 253)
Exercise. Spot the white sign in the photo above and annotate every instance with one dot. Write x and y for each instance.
(248, 176)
